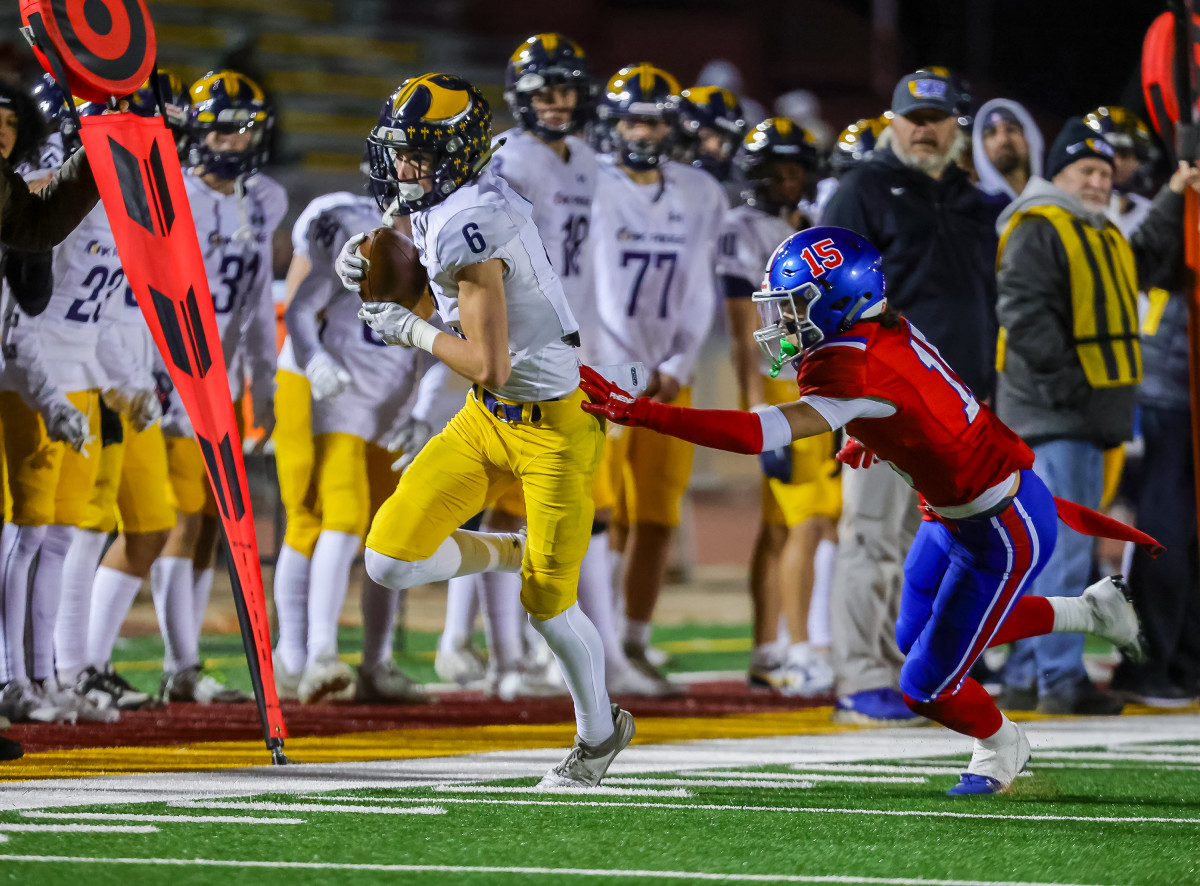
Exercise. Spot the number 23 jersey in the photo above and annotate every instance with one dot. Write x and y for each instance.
(948, 446)
(654, 250)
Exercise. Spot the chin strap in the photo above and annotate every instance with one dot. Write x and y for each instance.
(787, 353)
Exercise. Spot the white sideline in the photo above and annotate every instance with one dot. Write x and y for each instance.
(696, 777)
(165, 819)
(815, 810)
(264, 806)
(601, 790)
(747, 782)
(558, 872)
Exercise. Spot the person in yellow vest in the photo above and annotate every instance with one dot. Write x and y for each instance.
(1069, 364)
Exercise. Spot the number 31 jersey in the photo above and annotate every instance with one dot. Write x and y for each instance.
(235, 232)
(948, 446)
(654, 249)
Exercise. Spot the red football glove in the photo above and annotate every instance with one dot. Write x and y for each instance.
(612, 403)
(855, 455)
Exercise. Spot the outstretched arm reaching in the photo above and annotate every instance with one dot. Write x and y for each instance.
(729, 429)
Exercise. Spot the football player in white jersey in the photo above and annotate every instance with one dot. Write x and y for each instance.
(363, 394)
(801, 494)
(551, 93)
(236, 211)
(711, 127)
(494, 285)
(654, 230)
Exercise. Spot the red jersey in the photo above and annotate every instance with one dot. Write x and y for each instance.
(947, 445)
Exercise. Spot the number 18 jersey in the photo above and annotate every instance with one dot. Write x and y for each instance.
(948, 446)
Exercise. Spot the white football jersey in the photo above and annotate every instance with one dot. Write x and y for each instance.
(655, 248)
(487, 219)
(89, 294)
(561, 194)
(235, 232)
(382, 377)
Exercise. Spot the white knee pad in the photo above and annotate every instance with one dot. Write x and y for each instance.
(400, 574)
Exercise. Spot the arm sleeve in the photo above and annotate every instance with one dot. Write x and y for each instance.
(39, 221)
(1157, 242)
(25, 362)
(840, 413)
(698, 305)
(314, 292)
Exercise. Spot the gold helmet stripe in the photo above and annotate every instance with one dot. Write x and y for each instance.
(444, 103)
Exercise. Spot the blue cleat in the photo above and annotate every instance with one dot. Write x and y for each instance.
(969, 783)
(875, 707)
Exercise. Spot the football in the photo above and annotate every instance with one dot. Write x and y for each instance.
(395, 272)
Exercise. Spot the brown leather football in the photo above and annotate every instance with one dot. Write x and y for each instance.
(395, 272)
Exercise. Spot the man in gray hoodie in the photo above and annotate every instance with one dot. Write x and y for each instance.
(1070, 361)
(1007, 147)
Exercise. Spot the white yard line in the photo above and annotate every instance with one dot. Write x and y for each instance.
(165, 819)
(816, 810)
(747, 781)
(524, 871)
(78, 828)
(304, 807)
(879, 768)
(915, 778)
(1131, 756)
(602, 790)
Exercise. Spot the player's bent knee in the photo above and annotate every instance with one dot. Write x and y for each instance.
(921, 681)
(397, 574)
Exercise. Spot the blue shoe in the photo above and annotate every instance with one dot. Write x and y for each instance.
(970, 783)
(875, 707)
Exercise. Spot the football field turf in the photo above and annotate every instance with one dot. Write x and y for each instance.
(1107, 801)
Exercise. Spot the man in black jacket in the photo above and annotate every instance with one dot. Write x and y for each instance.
(939, 247)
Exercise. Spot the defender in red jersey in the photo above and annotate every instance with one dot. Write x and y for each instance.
(990, 522)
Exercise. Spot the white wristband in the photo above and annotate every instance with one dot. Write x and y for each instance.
(776, 431)
(423, 334)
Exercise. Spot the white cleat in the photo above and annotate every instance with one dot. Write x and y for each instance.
(807, 679)
(462, 665)
(584, 766)
(1113, 616)
(287, 683)
(387, 684)
(993, 770)
(194, 685)
(628, 680)
(511, 685)
(326, 677)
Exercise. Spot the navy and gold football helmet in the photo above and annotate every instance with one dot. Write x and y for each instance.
(1127, 134)
(644, 91)
(542, 61)
(857, 141)
(177, 99)
(718, 111)
(776, 140)
(228, 102)
(446, 122)
(51, 103)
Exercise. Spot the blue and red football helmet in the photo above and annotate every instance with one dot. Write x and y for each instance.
(819, 283)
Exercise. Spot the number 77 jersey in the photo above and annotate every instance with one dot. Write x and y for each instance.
(654, 251)
(947, 445)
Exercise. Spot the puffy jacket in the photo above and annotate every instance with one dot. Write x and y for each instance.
(938, 242)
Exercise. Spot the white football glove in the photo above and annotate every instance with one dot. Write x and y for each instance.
(397, 325)
(175, 422)
(326, 376)
(350, 266)
(409, 438)
(66, 424)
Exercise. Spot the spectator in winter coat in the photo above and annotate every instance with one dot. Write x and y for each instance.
(1068, 282)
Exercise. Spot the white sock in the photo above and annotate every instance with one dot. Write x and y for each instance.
(783, 637)
(379, 608)
(616, 574)
(818, 607)
(171, 583)
(596, 600)
(113, 593)
(462, 606)
(1006, 734)
(1071, 615)
(329, 576)
(74, 609)
(576, 645)
(799, 654)
(201, 590)
(24, 548)
(637, 633)
(503, 618)
(291, 608)
(43, 602)
(462, 553)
